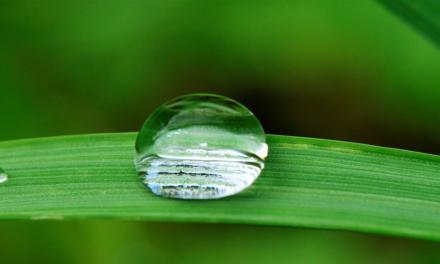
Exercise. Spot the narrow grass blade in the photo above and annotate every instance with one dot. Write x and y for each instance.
(306, 183)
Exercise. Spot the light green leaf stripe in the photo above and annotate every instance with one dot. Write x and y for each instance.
(306, 183)
(422, 14)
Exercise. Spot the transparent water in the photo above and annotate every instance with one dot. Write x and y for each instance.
(200, 146)
(3, 176)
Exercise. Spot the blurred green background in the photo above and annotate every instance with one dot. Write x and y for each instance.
(331, 69)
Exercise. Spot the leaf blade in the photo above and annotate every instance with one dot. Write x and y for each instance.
(307, 182)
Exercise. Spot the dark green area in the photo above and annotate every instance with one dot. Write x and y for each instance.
(321, 68)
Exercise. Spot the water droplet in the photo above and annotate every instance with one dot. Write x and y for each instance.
(200, 146)
(3, 176)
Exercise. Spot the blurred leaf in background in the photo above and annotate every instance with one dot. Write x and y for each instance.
(423, 15)
(321, 68)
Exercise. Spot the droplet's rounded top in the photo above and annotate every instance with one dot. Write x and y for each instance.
(200, 146)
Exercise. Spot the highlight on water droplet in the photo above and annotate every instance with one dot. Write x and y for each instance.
(200, 146)
(3, 176)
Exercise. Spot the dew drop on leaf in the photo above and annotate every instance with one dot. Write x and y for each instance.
(200, 146)
(3, 176)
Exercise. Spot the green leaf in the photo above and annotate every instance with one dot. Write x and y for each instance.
(306, 183)
(422, 14)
